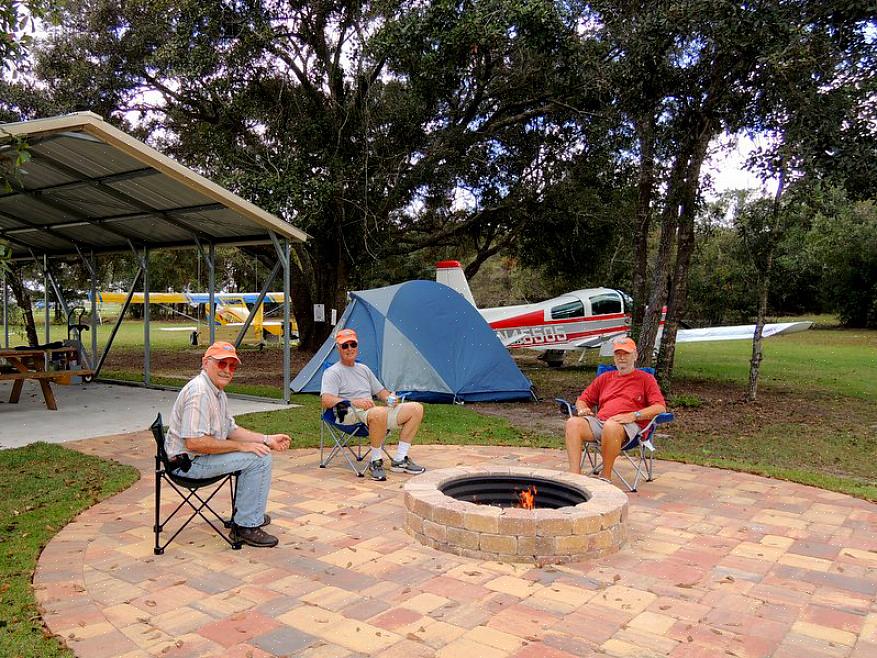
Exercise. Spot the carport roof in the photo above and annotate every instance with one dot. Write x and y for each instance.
(90, 185)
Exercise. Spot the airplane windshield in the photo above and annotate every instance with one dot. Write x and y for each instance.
(574, 309)
(605, 303)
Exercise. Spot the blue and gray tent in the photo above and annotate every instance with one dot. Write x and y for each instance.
(424, 340)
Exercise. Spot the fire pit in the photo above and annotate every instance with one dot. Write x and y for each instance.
(515, 514)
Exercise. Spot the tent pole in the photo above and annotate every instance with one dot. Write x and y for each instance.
(211, 290)
(146, 352)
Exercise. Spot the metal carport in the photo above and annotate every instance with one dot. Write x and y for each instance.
(89, 189)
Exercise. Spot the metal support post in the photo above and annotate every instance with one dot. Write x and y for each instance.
(92, 266)
(283, 255)
(259, 301)
(211, 290)
(116, 326)
(5, 313)
(146, 351)
(46, 297)
(286, 298)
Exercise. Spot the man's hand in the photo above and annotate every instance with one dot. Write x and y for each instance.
(278, 442)
(259, 448)
(362, 403)
(583, 410)
(629, 417)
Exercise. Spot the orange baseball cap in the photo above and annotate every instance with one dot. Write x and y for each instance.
(624, 344)
(222, 350)
(345, 335)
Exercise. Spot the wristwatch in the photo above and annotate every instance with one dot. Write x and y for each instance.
(637, 415)
(265, 439)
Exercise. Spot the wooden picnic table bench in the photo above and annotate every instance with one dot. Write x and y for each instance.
(37, 363)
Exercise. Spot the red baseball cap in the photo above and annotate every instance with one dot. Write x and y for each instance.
(345, 335)
(222, 350)
(624, 345)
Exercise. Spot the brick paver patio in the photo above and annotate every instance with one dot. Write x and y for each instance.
(718, 564)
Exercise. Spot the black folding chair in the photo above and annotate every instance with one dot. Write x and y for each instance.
(188, 489)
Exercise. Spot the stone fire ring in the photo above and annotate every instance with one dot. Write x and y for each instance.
(591, 529)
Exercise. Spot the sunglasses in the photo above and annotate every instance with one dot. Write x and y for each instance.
(351, 345)
(222, 364)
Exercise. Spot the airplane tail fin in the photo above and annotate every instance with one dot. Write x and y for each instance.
(450, 273)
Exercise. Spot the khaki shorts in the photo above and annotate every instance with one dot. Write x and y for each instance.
(355, 415)
(632, 429)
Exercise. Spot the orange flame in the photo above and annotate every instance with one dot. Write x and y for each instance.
(528, 497)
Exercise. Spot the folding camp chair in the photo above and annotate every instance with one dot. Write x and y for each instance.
(639, 451)
(188, 489)
(347, 440)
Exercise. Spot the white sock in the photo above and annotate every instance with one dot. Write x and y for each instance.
(402, 451)
(376, 454)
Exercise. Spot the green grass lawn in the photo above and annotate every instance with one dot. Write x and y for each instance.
(44, 487)
(836, 362)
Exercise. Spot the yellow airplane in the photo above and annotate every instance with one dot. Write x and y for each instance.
(232, 309)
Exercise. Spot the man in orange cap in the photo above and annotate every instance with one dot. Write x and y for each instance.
(626, 400)
(357, 384)
(202, 429)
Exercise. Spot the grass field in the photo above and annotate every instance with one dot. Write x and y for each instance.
(44, 487)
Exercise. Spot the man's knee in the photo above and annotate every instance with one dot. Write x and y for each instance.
(410, 411)
(578, 428)
(376, 415)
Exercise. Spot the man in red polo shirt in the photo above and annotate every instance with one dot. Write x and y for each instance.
(626, 400)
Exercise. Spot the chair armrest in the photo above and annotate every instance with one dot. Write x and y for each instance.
(565, 407)
(666, 417)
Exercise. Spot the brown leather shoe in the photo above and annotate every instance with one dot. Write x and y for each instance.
(265, 521)
(254, 537)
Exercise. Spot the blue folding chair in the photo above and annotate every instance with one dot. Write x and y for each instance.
(346, 440)
(639, 451)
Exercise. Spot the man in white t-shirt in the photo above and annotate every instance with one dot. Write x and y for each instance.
(355, 383)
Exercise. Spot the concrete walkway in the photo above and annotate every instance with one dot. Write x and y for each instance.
(88, 410)
(718, 564)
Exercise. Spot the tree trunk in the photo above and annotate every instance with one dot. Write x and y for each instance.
(763, 288)
(660, 274)
(646, 188)
(22, 298)
(678, 297)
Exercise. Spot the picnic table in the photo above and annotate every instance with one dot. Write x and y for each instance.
(45, 365)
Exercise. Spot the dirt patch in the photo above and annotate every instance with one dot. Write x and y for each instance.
(263, 367)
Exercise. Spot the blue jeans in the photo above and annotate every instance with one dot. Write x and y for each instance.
(253, 483)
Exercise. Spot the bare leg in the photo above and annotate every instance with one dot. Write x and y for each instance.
(377, 426)
(577, 431)
(610, 445)
(409, 417)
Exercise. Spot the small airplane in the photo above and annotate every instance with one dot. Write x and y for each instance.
(588, 318)
(232, 309)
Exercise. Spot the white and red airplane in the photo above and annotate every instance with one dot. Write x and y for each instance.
(587, 318)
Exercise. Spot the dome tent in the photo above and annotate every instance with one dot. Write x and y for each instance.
(424, 340)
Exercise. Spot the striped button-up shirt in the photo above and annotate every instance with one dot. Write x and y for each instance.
(201, 409)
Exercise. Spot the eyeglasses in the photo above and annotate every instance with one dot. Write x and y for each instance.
(222, 364)
(349, 346)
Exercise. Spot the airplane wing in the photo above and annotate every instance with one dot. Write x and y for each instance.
(736, 332)
(739, 332)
